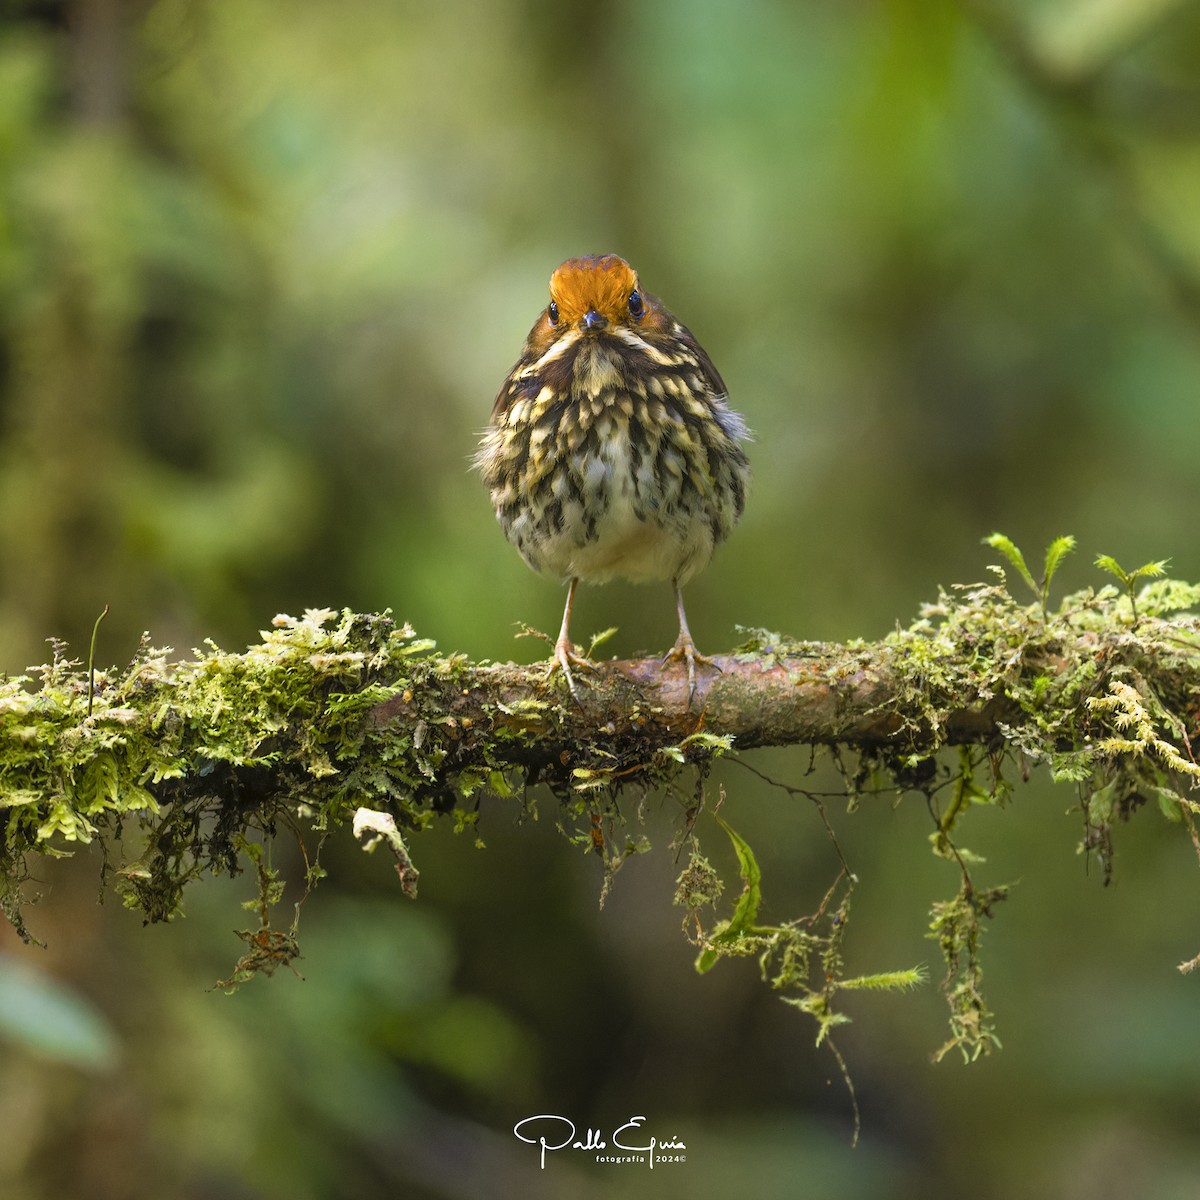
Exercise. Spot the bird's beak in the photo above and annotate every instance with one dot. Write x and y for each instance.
(594, 322)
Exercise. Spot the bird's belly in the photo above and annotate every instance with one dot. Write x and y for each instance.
(624, 547)
(616, 522)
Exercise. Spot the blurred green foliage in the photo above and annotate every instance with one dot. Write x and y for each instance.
(262, 269)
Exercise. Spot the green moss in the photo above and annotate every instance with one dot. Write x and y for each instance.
(1101, 689)
(183, 769)
(178, 754)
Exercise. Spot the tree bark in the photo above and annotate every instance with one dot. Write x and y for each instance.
(332, 714)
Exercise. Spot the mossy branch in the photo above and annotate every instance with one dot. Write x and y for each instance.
(179, 767)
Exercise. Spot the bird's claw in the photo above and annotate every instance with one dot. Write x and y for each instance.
(564, 657)
(685, 651)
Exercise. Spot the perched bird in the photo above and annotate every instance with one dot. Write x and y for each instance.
(612, 452)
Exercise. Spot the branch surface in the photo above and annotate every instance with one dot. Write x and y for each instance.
(331, 713)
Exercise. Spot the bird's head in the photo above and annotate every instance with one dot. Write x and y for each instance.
(599, 330)
(597, 294)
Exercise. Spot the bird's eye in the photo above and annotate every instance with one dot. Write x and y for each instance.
(552, 313)
(636, 307)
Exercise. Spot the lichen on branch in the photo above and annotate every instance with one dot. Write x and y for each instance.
(177, 766)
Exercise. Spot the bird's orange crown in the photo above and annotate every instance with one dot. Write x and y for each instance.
(600, 283)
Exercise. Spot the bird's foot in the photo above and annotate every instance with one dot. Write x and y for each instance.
(564, 658)
(685, 651)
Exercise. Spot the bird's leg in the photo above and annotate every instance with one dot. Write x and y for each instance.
(684, 649)
(564, 652)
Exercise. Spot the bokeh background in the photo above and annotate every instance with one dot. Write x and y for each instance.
(262, 269)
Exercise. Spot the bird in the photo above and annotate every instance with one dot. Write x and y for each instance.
(612, 450)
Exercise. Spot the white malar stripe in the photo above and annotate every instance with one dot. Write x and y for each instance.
(560, 347)
(636, 342)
